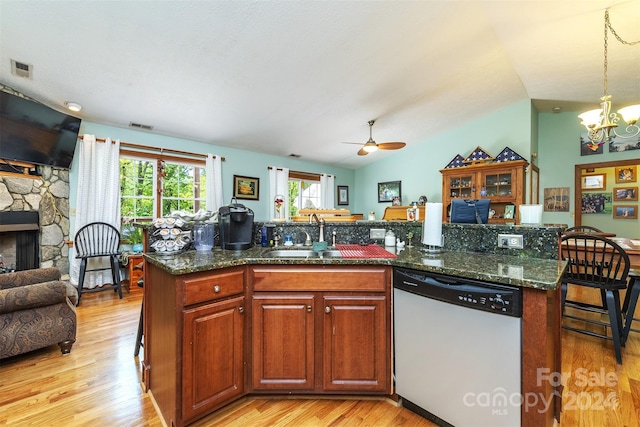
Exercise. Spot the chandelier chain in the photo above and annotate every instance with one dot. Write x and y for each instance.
(609, 27)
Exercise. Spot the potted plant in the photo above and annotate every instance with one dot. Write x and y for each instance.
(132, 235)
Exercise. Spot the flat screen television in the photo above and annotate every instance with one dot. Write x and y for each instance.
(31, 132)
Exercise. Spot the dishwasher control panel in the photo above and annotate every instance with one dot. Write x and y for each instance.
(485, 296)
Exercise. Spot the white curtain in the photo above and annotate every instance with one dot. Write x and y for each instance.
(97, 200)
(327, 193)
(279, 185)
(215, 198)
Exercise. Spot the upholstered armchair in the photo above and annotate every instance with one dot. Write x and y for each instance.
(37, 310)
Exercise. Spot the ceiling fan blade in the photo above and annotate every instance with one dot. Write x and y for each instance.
(391, 145)
(362, 152)
(354, 143)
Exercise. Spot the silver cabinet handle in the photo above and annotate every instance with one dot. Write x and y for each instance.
(216, 289)
(308, 309)
(240, 309)
(327, 309)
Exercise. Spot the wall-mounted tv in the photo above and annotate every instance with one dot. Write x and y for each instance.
(34, 133)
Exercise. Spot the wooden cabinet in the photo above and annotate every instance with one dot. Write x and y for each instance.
(135, 268)
(503, 183)
(356, 351)
(283, 344)
(213, 356)
(194, 358)
(321, 329)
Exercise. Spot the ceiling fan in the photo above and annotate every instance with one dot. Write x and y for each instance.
(370, 146)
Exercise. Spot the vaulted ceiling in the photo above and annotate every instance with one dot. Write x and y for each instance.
(301, 77)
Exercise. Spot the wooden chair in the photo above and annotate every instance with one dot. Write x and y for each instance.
(599, 263)
(98, 240)
(583, 229)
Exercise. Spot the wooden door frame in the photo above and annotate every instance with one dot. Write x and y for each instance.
(577, 202)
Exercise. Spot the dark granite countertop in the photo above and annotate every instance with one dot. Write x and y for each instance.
(527, 272)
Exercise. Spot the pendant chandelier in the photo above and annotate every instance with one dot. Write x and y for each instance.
(601, 123)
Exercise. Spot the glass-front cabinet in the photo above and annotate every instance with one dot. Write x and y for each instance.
(461, 186)
(503, 183)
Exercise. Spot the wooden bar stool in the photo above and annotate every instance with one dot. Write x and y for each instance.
(630, 302)
(140, 323)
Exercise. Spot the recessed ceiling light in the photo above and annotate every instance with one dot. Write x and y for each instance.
(73, 106)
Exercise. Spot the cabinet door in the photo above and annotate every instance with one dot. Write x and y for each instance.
(499, 184)
(283, 341)
(461, 186)
(213, 356)
(357, 349)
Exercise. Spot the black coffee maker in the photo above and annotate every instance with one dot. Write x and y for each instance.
(236, 226)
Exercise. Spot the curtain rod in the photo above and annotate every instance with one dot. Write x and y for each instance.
(301, 173)
(150, 148)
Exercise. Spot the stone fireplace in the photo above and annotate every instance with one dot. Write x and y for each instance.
(47, 198)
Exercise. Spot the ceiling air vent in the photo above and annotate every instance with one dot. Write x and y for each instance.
(140, 126)
(21, 69)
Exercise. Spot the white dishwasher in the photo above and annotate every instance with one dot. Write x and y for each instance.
(457, 349)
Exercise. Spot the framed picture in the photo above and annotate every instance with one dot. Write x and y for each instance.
(387, 191)
(587, 147)
(509, 211)
(597, 203)
(625, 193)
(246, 187)
(625, 211)
(597, 181)
(626, 174)
(556, 199)
(343, 195)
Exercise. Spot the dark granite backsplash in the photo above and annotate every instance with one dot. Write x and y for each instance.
(538, 241)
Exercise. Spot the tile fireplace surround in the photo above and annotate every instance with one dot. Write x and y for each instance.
(49, 196)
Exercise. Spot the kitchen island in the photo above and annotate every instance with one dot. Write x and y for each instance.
(223, 301)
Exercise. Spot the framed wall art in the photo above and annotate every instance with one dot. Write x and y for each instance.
(596, 181)
(387, 191)
(556, 199)
(625, 193)
(343, 195)
(625, 212)
(246, 187)
(626, 174)
(597, 203)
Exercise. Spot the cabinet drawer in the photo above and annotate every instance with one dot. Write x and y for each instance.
(203, 288)
(324, 278)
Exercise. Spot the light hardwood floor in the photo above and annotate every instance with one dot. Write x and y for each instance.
(98, 384)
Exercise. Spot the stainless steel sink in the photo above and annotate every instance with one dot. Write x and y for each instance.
(302, 253)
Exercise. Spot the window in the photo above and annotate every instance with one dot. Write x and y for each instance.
(304, 192)
(137, 188)
(182, 186)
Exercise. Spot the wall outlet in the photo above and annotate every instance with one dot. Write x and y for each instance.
(376, 233)
(511, 241)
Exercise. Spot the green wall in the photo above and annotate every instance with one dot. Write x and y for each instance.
(554, 137)
(237, 162)
(559, 152)
(418, 166)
